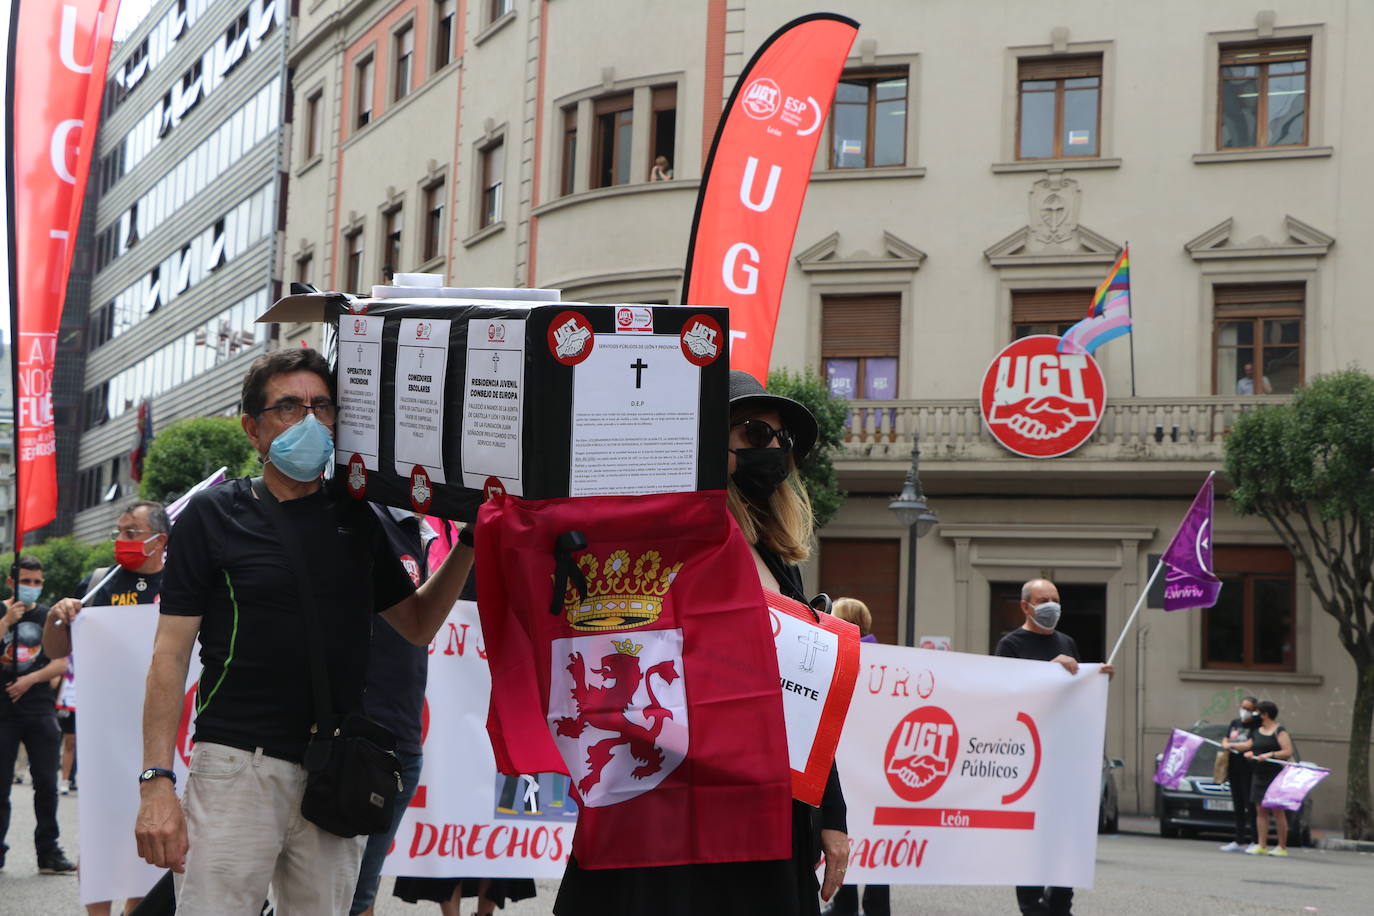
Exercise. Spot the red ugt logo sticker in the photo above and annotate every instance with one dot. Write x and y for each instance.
(920, 754)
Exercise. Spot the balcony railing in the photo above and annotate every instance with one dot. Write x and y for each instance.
(1132, 429)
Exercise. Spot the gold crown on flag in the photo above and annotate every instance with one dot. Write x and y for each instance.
(623, 592)
(626, 646)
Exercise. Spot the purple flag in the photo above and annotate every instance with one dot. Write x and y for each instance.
(1178, 755)
(1291, 786)
(1189, 581)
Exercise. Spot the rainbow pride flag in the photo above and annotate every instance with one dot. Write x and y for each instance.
(1109, 315)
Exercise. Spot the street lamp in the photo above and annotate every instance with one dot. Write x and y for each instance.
(911, 510)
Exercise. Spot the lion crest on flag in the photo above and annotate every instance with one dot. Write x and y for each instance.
(621, 727)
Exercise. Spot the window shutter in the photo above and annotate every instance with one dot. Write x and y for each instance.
(1248, 296)
(1053, 68)
(1265, 53)
(613, 103)
(861, 325)
(1047, 306)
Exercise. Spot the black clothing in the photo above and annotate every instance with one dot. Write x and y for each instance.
(124, 587)
(1043, 647)
(1044, 901)
(877, 901)
(1239, 773)
(43, 740)
(774, 887)
(224, 565)
(1040, 647)
(397, 669)
(499, 890)
(21, 653)
(1264, 772)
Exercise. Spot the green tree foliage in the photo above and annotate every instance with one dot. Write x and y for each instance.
(65, 562)
(188, 451)
(1307, 468)
(817, 471)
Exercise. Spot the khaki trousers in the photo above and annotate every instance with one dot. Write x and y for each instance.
(244, 824)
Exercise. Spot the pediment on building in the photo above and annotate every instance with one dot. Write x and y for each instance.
(1297, 239)
(1053, 235)
(895, 254)
(1022, 249)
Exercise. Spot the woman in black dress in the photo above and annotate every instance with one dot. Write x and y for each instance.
(1270, 741)
(768, 436)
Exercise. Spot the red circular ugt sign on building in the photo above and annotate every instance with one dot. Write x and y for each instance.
(1040, 403)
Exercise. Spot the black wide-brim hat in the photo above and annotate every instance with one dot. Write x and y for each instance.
(747, 391)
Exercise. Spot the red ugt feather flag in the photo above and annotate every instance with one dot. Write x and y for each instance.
(756, 177)
(656, 691)
(54, 74)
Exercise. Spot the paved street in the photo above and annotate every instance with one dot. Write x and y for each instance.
(1137, 873)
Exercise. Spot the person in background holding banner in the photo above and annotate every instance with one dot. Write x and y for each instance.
(1038, 638)
(1239, 771)
(397, 672)
(140, 541)
(1270, 741)
(28, 714)
(877, 898)
(230, 584)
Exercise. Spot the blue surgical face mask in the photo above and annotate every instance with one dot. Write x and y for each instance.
(303, 451)
(1047, 614)
(28, 594)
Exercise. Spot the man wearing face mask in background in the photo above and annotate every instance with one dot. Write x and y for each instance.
(1239, 770)
(231, 582)
(1038, 639)
(27, 714)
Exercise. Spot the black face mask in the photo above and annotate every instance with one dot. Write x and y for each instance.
(759, 472)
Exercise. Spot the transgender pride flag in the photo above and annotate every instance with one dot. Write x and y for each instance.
(1109, 316)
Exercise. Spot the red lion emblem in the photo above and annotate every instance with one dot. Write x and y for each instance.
(604, 708)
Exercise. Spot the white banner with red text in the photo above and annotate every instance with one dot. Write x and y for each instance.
(972, 769)
(111, 650)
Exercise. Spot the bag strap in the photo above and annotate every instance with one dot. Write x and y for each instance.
(319, 671)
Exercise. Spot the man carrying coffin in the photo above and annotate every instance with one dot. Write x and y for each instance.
(231, 582)
(1038, 638)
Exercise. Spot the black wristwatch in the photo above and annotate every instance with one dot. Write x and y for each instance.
(154, 773)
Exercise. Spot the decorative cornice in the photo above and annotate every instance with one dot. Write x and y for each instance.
(824, 256)
(1300, 240)
(1014, 251)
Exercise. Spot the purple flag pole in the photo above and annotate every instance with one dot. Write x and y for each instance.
(1138, 604)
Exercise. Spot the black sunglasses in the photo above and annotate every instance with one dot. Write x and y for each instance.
(760, 435)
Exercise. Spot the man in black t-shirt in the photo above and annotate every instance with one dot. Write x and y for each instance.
(27, 714)
(231, 582)
(1038, 639)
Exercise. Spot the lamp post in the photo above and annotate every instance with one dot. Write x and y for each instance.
(911, 510)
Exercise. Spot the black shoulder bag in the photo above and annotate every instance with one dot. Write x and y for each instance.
(353, 774)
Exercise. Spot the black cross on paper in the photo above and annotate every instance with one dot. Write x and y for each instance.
(638, 366)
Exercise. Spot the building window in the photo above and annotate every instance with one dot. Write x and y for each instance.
(860, 343)
(1059, 108)
(493, 167)
(612, 134)
(305, 268)
(1263, 95)
(314, 125)
(663, 130)
(403, 54)
(1047, 311)
(868, 125)
(1252, 624)
(391, 242)
(567, 181)
(445, 17)
(434, 221)
(362, 97)
(1258, 338)
(496, 9)
(353, 271)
